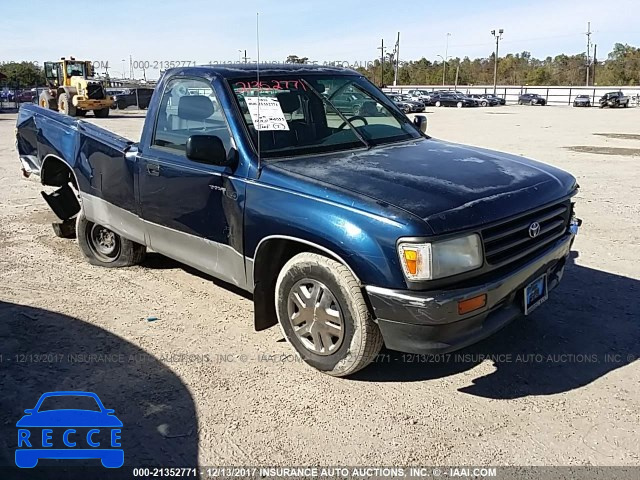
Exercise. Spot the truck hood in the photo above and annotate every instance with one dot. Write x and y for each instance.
(450, 186)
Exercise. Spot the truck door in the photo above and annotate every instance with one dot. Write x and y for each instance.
(193, 211)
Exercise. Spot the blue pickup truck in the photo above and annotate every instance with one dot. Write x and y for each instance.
(351, 229)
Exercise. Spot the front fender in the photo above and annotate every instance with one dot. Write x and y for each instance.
(364, 241)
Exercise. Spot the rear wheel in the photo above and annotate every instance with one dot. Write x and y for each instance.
(105, 248)
(438, 104)
(459, 104)
(65, 105)
(484, 103)
(519, 102)
(102, 112)
(324, 316)
(532, 103)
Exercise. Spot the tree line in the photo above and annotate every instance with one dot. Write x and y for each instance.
(621, 67)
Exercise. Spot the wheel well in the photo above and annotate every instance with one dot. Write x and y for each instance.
(64, 201)
(269, 260)
(56, 173)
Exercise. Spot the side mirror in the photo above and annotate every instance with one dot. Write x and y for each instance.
(420, 121)
(208, 149)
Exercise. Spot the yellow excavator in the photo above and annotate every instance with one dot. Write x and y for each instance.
(73, 90)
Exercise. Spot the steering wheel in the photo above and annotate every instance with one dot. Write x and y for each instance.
(355, 117)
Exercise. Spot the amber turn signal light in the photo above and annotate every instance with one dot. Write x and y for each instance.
(471, 304)
(411, 261)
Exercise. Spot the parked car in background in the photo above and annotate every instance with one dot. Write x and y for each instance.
(582, 101)
(352, 103)
(27, 96)
(485, 100)
(421, 95)
(445, 99)
(132, 97)
(406, 104)
(531, 99)
(406, 107)
(501, 100)
(614, 99)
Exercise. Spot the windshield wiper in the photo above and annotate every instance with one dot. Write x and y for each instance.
(332, 106)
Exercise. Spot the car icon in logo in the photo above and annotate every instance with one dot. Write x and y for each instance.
(53, 430)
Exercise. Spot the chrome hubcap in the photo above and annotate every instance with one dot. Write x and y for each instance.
(315, 317)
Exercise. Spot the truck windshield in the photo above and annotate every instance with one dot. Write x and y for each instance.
(299, 115)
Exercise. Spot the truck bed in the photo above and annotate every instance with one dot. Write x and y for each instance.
(95, 155)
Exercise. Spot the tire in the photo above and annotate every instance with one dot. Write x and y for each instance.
(101, 113)
(47, 101)
(81, 113)
(484, 104)
(438, 103)
(626, 105)
(357, 340)
(532, 103)
(65, 106)
(519, 102)
(459, 104)
(122, 105)
(115, 251)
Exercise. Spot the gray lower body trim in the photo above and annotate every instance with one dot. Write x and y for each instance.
(216, 259)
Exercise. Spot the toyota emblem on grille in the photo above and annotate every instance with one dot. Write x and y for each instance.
(534, 229)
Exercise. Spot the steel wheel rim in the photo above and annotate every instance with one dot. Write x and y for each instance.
(315, 317)
(104, 243)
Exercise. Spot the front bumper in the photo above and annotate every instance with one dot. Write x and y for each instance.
(428, 322)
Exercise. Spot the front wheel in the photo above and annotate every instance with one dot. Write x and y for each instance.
(459, 104)
(438, 104)
(105, 248)
(324, 316)
(65, 105)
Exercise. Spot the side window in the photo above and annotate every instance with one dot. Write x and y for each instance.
(189, 107)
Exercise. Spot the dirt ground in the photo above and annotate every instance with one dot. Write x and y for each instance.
(197, 384)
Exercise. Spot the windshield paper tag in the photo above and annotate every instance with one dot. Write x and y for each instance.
(271, 116)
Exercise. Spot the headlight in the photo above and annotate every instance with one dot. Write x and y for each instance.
(428, 261)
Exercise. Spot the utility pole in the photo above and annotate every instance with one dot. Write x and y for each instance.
(495, 60)
(396, 57)
(593, 74)
(457, 73)
(588, 34)
(381, 48)
(444, 64)
(245, 58)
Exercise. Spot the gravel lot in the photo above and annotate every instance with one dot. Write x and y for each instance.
(199, 385)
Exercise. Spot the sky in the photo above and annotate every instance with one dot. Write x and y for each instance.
(202, 31)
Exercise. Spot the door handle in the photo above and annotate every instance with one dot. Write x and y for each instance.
(153, 169)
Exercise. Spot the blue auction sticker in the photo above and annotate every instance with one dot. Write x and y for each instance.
(69, 425)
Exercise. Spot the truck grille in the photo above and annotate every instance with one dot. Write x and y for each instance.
(94, 92)
(510, 240)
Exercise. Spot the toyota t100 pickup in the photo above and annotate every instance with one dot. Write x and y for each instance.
(352, 230)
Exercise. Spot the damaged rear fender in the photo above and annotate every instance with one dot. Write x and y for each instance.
(64, 201)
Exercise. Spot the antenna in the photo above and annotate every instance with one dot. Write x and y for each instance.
(258, 78)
